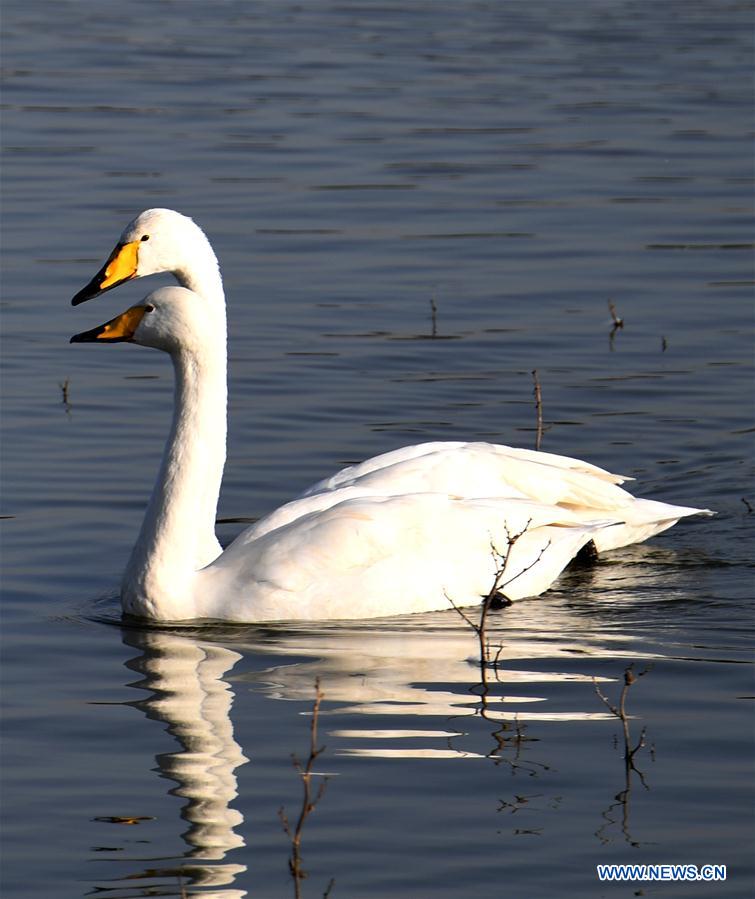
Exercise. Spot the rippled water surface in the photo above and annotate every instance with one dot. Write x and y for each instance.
(414, 205)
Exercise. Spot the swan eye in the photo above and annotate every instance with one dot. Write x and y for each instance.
(145, 237)
(149, 308)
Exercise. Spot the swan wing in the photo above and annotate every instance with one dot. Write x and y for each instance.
(483, 469)
(463, 455)
(478, 470)
(463, 470)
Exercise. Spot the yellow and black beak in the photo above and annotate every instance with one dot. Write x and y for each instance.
(121, 266)
(118, 329)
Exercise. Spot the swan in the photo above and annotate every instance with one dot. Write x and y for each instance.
(417, 529)
(163, 240)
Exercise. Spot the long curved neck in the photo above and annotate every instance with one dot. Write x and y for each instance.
(202, 275)
(180, 520)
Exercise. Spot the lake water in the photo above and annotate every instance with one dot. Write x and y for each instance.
(518, 166)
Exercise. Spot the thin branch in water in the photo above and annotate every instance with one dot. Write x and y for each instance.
(495, 594)
(622, 797)
(475, 627)
(434, 317)
(309, 800)
(618, 323)
(747, 506)
(524, 570)
(538, 410)
(620, 712)
(64, 385)
(496, 591)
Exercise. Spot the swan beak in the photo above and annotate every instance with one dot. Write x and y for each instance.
(118, 329)
(121, 266)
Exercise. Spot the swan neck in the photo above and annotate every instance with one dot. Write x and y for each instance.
(178, 531)
(202, 275)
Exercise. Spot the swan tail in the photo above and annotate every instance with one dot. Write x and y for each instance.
(643, 519)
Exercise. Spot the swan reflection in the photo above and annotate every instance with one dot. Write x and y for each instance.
(426, 666)
(406, 688)
(184, 680)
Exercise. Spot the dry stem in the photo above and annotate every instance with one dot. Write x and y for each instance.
(620, 712)
(618, 323)
(495, 592)
(538, 410)
(64, 385)
(309, 801)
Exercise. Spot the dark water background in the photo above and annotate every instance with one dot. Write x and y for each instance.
(518, 165)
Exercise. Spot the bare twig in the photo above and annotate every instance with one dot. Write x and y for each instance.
(621, 713)
(538, 410)
(64, 385)
(618, 323)
(434, 317)
(622, 797)
(475, 627)
(309, 800)
(747, 506)
(496, 594)
(501, 583)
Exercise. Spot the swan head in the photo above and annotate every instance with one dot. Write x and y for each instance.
(157, 240)
(172, 319)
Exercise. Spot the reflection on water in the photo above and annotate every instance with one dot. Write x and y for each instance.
(428, 665)
(419, 675)
(187, 692)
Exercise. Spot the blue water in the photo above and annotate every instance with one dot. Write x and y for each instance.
(516, 167)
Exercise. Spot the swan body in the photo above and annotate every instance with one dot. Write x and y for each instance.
(417, 529)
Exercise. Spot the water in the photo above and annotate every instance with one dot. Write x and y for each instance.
(353, 164)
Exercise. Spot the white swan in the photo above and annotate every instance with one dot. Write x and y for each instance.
(413, 530)
(162, 240)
